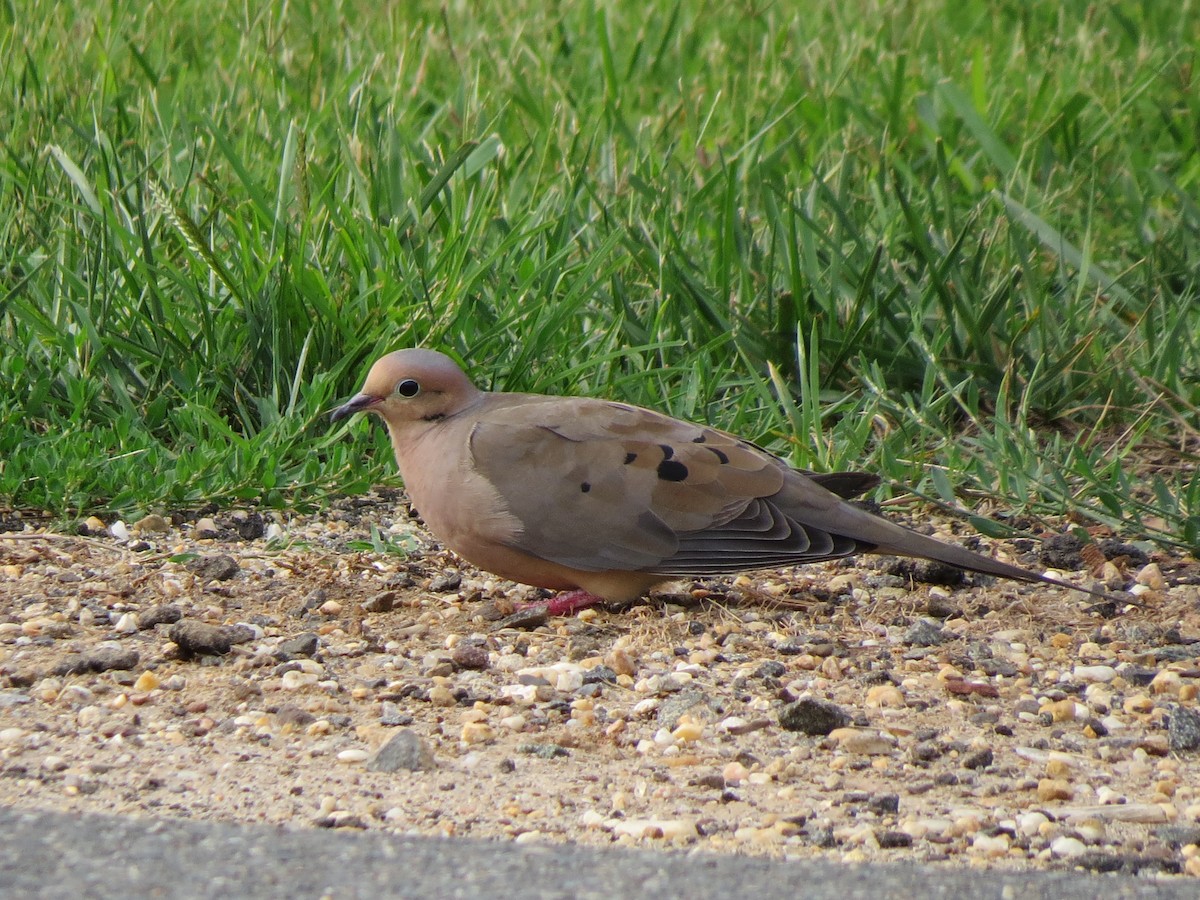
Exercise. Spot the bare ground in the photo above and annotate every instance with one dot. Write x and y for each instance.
(850, 712)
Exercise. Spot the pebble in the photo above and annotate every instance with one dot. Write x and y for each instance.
(1093, 674)
(814, 717)
(1067, 847)
(206, 529)
(1183, 731)
(1049, 789)
(147, 681)
(404, 751)
(199, 638)
(355, 755)
(926, 633)
(654, 829)
(217, 567)
(863, 741)
(101, 659)
(151, 524)
(10, 736)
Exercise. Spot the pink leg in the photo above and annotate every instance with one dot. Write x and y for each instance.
(567, 603)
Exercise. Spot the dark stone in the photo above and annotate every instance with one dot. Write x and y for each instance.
(884, 804)
(980, 760)
(697, 703)
(380, 603)
(544, 751)
(890, 840)
(99, 660)
(218, 567)
(404, 751)
(599, 675)
(470, 656)
(772, 668)
(925, 633)
(527, 619)
(248, 526)
(1062, 551)
(200, 639)
(814, 717)
(446, 584)
(941, 608)
(1114, 549)
(311, 601)
(301, 645)
(1183, 732)
(290, 714)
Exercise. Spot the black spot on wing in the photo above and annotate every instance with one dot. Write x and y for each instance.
(672, 470)
(585, 487)
(630, 457)
(720, 454)
(698, 440)
(667, 449)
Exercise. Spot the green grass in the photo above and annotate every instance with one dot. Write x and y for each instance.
(956, 243)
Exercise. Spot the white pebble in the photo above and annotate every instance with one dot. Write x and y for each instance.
(119, 530)
(274, 532)
(355, 755)
(1065, 846)
(990, 845)
(127, 624)
(1091, 674)
(1030, 823)
(294, 681)
(11, 735)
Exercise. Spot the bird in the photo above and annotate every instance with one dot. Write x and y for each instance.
(604, 501)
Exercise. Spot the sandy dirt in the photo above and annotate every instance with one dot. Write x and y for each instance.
(240, 667)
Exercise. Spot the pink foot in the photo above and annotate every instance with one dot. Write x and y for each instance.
(567, 603)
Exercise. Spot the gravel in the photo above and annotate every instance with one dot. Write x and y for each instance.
(806, 713)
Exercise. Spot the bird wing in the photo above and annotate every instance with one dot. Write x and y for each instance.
(601, 486)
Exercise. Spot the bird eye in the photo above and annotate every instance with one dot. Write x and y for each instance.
(408, 388)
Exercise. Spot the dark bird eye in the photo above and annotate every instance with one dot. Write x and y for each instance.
(408, 388)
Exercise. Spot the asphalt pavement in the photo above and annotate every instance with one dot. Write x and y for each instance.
(53, 855)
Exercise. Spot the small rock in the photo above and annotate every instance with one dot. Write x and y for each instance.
(890, 840)
(290, 715)
(219, 567)
(300, 645)
(1066, 846)
(199, 638)
(151, 524)
(168, 614)
(391, 715)
(1184, 729)
(544, 751)
(147, 681)
(101, 659)
(815, 717)
(1062, 552)
(884, 804)
(1054, 789)
(445, 584)
(404, 751)
(526, 619)
(470, 657)
(205, 529)
(380, 603)
(863, 741)
(978, 760)
(925, 633)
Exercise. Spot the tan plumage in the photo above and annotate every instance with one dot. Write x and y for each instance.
(578, 493)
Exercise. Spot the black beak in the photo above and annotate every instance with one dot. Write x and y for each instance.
(357, 403)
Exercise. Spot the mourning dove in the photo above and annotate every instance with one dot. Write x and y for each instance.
(607, 500)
